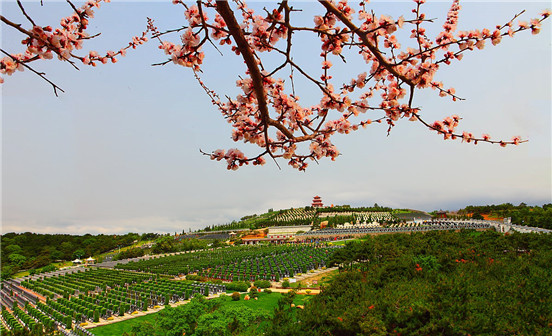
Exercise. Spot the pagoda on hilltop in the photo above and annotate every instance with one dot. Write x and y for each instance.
(317, 202)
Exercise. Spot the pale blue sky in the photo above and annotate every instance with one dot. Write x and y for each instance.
(119, 151)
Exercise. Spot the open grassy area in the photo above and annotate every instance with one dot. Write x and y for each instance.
(323, 279)
(21, 274)
(120, 327)
(342, 242)
(63, 264)
(57, 265)
(401, 211)
(266, 301)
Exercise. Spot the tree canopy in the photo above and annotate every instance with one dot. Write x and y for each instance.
(399, 55)
(33, 250)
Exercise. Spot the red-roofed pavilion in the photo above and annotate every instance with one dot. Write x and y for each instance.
(317, 202)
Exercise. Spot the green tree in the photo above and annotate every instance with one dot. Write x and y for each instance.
(7, 271)
(67, 248)
(282, 322)
(228, 320)
(79, 253)
(477, 215)
(13, 248)
(17, 259)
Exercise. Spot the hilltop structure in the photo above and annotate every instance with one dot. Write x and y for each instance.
(317, 202)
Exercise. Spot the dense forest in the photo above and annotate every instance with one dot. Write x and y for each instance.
(437, 283)
(23, 251)
(522, 214)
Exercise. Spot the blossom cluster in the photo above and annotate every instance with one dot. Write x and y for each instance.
(268, 115)
(43, 43)
(267, 112)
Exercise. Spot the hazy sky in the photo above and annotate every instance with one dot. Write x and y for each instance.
(119, 150)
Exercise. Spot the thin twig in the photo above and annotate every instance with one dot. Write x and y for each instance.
(40, 74)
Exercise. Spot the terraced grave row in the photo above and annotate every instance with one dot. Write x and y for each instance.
(102, 293)
(241, 263)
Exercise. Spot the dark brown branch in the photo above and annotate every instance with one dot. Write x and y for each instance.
(15, 25)
(40, 74)
(25, 13)
(364, 38)
(247, 54)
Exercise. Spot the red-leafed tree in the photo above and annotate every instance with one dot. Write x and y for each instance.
(267, 112)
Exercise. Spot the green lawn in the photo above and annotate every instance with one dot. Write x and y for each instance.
(265, 302)
(120, 327)
(343, 242)
(21, 274)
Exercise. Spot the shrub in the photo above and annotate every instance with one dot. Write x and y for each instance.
(253, 292)
(194, 277)
(238, 286)
(262, 284)
(235, 296)
(285, 284)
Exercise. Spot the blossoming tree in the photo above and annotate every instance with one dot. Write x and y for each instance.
(267, 112)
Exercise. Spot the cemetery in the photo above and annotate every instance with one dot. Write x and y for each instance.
(71, 300)
(93, 294)
(86, 295)
(111, 154)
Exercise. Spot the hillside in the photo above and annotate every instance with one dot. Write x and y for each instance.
(307, 216)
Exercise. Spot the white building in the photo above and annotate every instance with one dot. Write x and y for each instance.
(286, 232)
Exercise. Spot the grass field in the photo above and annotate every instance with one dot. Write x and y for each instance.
(343, 242)
(323, 279)
(120, 327)
(21, 274)
(58, 265)
(265, 302)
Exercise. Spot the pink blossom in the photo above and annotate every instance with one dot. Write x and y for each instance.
(400, 21)
(467, 137)
(496, 37)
